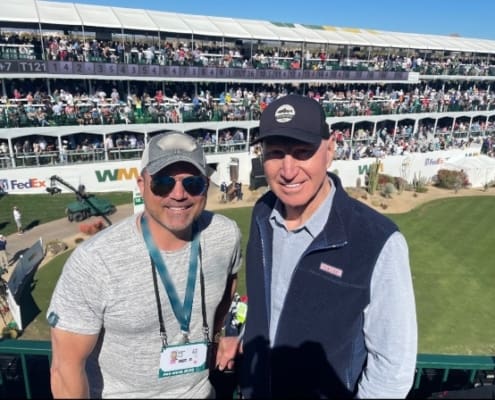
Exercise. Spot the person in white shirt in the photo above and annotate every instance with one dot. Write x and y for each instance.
(18, 220)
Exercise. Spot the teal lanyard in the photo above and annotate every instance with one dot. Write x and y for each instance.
(182, 312)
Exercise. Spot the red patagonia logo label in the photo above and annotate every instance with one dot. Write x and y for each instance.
(331, 270)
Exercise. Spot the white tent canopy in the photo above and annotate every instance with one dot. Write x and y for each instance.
(480, 170)
(53, 13)
(77, 14)
(134, 19)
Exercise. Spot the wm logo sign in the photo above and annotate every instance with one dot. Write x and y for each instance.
(365, 169)
(119, 174)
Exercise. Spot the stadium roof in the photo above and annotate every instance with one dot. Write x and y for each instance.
(52, 13)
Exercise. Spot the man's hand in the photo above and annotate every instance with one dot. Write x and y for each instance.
(228, 348)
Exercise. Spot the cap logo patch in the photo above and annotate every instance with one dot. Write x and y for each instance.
(285, 113)
(176, 142)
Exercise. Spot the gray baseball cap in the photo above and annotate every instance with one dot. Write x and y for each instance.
(168, 148)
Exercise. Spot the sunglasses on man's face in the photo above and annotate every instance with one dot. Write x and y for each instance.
(163, 185)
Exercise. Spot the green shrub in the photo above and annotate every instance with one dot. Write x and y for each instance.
(449, 179)
(419, 184)
(421, 189)
(388, 190)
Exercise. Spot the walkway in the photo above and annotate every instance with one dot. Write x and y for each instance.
(59, 229)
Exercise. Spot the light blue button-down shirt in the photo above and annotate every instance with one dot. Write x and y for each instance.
(389, 320)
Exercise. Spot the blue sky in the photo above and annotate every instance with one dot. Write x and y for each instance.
(467, 18)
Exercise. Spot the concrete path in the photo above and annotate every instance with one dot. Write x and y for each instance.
(59, 229)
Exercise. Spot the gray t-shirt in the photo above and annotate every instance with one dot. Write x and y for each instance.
(107, 284)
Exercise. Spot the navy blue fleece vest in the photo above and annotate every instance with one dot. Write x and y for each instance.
(319, 348)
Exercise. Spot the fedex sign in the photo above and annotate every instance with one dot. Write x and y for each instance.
(31, 183)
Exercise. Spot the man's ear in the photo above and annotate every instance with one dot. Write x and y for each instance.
(140, 184)
(331, 149)
(207, 185)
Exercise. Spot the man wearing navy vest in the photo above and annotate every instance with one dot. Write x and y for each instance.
(331, 301)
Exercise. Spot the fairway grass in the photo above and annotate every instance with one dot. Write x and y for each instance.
(451, 250)
(451, 244)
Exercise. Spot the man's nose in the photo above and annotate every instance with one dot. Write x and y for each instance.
(289, 166)
(178, 191)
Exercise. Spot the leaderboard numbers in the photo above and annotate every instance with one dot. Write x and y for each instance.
(106, 69)
(24, 66)
(83, 68)
(99, 69)
(132, 69)
(148, 70)
(60, 67)
(154, 70)
(111, 69)
(5, 66)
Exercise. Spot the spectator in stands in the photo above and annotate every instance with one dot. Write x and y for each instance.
(115, 97)
(26, 147)
(149, 55)
(159, 97)
(238, 136)
(331, 300)
(41, 117)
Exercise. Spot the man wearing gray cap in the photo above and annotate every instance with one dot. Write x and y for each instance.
(331, 303)
(137, 306)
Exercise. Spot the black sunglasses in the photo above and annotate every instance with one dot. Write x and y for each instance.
(163, 185)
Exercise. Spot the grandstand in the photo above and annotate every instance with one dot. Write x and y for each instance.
(84, 87)
(135, 72)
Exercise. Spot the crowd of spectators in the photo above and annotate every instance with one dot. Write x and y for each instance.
(185, 52)
(37, 150)
(30, 104)
(426, 140)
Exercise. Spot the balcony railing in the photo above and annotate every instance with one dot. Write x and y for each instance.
(24, 370)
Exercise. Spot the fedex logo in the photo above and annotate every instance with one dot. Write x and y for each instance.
(432, 161)
(29, 184)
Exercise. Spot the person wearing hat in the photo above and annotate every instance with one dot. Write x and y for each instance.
(331, 303)
(4, 259)
(158, 282)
